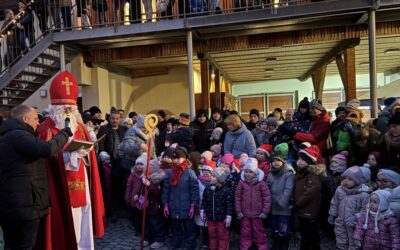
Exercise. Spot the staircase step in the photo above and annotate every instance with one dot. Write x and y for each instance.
(19, 81)
(37, 74)
(44, 66)
(14, 97)
(50, 57)
(19, 89)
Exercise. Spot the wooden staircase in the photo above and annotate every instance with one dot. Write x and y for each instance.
(30, 72)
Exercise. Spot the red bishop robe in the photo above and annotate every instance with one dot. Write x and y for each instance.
(57, 232)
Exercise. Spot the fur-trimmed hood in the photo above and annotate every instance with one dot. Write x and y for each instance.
(317, 169)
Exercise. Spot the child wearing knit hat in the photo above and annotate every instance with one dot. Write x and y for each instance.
(263, 155)
(227, 164)
(307, 196)
(333, 174)
(134, 190)
(387, 178)
(349, 200)
(217, 209)
(281, 182)
(216, 152)
(378, 227)
(204, 178)
(252, 205)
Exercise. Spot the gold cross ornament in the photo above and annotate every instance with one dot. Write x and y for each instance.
(67, 84)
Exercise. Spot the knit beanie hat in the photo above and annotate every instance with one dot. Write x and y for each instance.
(207, 155)
(142, 159)
(266, 149)
(366, 172)
(271, 121)
(317, 104)
(161, 113)
(304, 145)
(208, 165)
(310, 155)
(181, 152)
(184, 119)
(391, 175)
(282, 149)
(353, 104)
(216, 134)
(278, 157)
(251, 164)
(140, 121)
(220, 174)
(104, 156)
(227, 159)
(354, 173)
(389, 101)
(215, 110)
(376, 154)
(340, 109)
(304, 103)
(168, 153)
(202, 112)
(86, 118)
(243, 159)
(341, 158)
(216, 149)
(395, 119)
(94, 110)
(255, 112)
(173, 121)
(154, 166)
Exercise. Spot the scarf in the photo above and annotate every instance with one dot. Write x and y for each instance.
(204, 179)
(278, 171)
(177, 171)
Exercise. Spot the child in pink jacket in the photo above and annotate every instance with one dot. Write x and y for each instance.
(377, 227)
(252, 205)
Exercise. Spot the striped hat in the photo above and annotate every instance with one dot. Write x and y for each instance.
(317, 104)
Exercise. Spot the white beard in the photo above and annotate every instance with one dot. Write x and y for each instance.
(58, 115)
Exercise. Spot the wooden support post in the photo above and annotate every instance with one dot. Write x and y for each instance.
(217, 88)
(347, 71)
(318, 79)
(350, 62)
(205, 87)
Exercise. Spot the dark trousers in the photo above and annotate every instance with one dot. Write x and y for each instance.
(20, 235)
(155, 229)
(309, 234)
(183, 232)
(118, 184)
(66, 16)
(136, 10)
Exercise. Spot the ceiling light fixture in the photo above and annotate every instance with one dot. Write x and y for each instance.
(269, 71)
(213, 74)
(392, 51)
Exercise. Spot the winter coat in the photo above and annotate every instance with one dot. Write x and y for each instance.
(197, 219)
(387, 238)
(260, 136)
(183, 137)
(281, 185)
(232, 182)
(252, 199)
(265, 167)
(23, 175)
(160, 139)
(307, 194)
(130, 146)
(112, 139)
(395, 201)
(217, 203)
(201, 135)
(383, 121)
(347, 202)
(239, 142)
(331, 181)
(154, 193)
(134, 186)
(180, 197)
(390, 154)
(302, 121)
(318, 132)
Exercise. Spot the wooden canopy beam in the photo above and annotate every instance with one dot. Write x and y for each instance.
(205, 86)
(156, 71)
(330, 56)
(318, 79)
(347, 72)
(217, 85)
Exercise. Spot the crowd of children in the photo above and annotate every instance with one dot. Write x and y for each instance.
(283, 189)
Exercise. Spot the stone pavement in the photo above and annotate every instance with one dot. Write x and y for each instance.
(121, 235)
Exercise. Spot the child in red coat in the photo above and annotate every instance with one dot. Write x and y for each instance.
(252, 205)
(263, 154)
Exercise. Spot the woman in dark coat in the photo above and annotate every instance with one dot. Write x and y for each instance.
(201, 129)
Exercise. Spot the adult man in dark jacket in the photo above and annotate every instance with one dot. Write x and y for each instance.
(114, 135)
(24, 197)
(201, 130)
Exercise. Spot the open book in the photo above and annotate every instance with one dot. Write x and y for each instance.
(77, 144)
